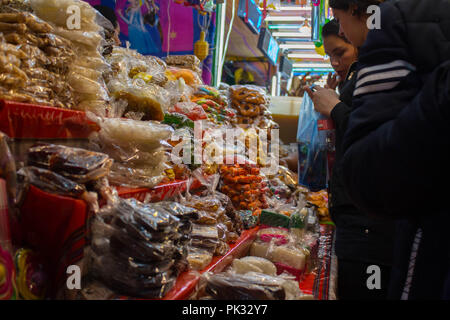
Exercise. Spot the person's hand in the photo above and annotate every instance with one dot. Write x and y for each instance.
(332, 81)
(324, 99)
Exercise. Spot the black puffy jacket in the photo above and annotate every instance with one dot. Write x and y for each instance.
(398, 140)
(359, 236)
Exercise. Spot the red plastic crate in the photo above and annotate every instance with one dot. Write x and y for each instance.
(24, 120)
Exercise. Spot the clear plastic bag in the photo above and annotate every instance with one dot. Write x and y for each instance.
(190, 77)
(133, 249)
(76, 164)
(148, 98)
(146, 135)
(198, 258)
(225, 286)
(51, 182)
(312, 148)
(186, 61)
(56, 12)
(126, 176)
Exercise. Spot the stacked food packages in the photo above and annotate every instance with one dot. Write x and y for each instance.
(146, 108)
(244, 185)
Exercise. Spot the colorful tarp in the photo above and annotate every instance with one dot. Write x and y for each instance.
(160, 27)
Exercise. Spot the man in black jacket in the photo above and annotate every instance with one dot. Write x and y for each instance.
(398, 137)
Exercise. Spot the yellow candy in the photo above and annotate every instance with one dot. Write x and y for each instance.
(144, 76)
(170, 174)
(170, 76)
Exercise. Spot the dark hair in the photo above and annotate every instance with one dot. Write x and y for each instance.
(331, 28)
(108, 13)
(361, 5)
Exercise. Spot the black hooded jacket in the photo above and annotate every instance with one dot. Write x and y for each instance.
(359, 236)
(398, 140)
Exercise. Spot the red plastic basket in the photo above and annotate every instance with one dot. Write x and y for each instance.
(24, 120)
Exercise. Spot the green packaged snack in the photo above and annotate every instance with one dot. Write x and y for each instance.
(274, 219)
(177, 121)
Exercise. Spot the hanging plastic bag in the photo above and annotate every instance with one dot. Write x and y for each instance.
(312, 148)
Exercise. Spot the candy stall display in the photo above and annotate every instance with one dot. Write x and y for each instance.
(137, 215)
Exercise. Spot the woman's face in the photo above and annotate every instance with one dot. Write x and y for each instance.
(353, 26)
(342, 54)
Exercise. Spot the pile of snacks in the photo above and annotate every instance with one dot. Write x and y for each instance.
(243, 184)
(190, 62)
(214, 104)
(33, 61)
(140, 81)
(86, 70)
(136, 147)
(135, 248)
(72, 172)
(251, 104)
(210, 232)
(320, 201)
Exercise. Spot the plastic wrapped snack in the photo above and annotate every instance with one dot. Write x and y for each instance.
(205, 237)
(77, 164)
(125, 176)
(186, 61)
(87, 40)
(288, 255)
(13, 6)
(198, 258)
(58, 13)
(148, 98)
(190, 77)
(49, 181)
(134, 248)
(35, 63)
(225, 286)
(242, 267)
(266, 266)
(127, 132)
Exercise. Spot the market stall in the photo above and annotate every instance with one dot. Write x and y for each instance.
(125, 176)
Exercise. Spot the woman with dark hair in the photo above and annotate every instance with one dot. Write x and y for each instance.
(361, 240)
(397, 142)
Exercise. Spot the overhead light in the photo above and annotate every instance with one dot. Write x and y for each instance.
(311, 65)
(292, 34)
(285, 26)
(285, 18)
(305, 56)
(321, 70)
(293, 8)
(297, 46)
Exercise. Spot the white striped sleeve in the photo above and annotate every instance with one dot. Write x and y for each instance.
(382, 77)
